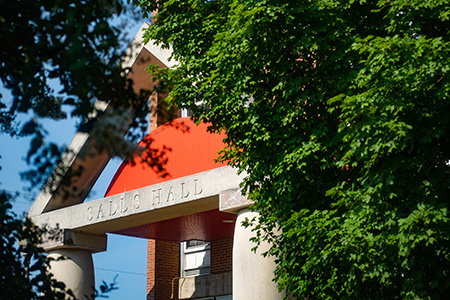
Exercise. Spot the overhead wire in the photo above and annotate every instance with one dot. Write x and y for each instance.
(30, 197)
(120, 271)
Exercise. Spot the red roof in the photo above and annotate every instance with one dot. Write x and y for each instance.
(182, 148)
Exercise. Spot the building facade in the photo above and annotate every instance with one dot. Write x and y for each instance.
(189, 207)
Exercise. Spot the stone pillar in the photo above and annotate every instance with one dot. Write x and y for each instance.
(252, 273)
(75, 268)
(70, 255)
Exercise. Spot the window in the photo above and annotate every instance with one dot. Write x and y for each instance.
(195, 258)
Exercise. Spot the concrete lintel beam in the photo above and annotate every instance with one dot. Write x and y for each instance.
(68, 239)
(164, 201)
(232, 201)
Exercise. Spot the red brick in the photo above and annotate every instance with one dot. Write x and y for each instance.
(162, 268)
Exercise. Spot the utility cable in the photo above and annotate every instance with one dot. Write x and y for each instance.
(119, 271)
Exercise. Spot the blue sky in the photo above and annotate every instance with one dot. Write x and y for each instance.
(126, 257)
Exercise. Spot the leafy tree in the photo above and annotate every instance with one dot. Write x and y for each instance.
(23, 271)
(24, 264)
(338, 111)
(77, 48)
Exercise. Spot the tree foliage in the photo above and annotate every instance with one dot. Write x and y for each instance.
(24, 267)
(59, 58)
(24, 264)
(338, 111)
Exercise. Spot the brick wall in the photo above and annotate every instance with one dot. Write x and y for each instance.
(151, 247)
(159, 114)
(163, 265)
(221, 256)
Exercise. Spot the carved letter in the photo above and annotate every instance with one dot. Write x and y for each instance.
(170, 195)
(123, 206)
(100, 212)
(156, 196)
(196, 191)
(137, 204)
(90, 213)
(182, 191)
(112, 211)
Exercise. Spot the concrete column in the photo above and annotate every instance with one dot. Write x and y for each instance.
(75, 268)
(70, 255)
(252, 273)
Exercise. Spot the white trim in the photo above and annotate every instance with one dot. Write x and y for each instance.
(191, 252)
(136, 46)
